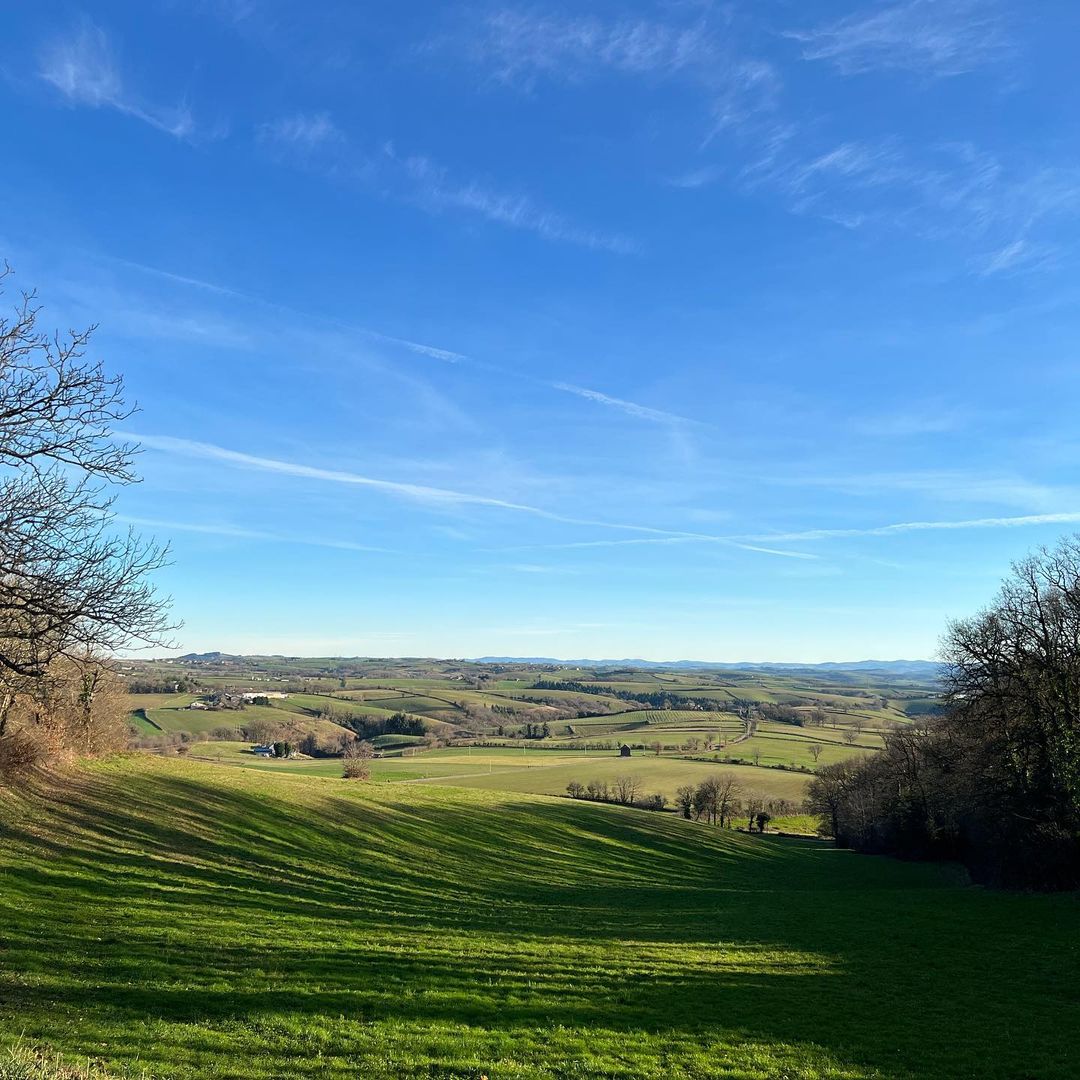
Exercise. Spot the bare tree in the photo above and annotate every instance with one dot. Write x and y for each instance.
(715, 797)
(815, 751)
(752, 807)
(357, 761)
(597, 790)
(71, 584)
(705, 800)
(727, 796)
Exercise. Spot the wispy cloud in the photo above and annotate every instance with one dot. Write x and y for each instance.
(949, 486)
(776, 551)
(941, 191)
(301, 131)
(756, 541)
(1021, 254)
(202, 328)
(677, 539)
(128, 311)
(421, 493)
(418, 492)
(699, 177)
(631, 408)
(433, 188)
(929, 37)
(521, 46)
(422, 349)
(82, 67)
(315, 143)
(1023, 521)
(745, 96)
(449, 356)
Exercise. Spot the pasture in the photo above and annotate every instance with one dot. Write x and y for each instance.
(454, 698)
(663, 775)
(532, 771)
(696, 718)
(203, 922)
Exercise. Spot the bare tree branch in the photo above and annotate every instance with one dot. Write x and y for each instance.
(71, 583)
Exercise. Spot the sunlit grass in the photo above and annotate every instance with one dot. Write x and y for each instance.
(200, 921)
(525, 769)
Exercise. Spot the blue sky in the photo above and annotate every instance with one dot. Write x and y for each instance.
(679, 330)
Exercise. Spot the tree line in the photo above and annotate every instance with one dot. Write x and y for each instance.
(368, 727)
(624, 790)
(141, 684)
(650, 699)
(717, 800)
(721, 800)
(994, 781)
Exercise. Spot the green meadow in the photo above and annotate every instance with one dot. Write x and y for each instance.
(197, 921)
(488, 722)
(529, 770)
(664, 775)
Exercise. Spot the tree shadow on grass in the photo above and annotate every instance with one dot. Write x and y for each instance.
(167, 900)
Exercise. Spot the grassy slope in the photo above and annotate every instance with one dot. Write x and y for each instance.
(223, 923)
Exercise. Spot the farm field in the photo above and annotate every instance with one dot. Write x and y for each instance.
(160, 701)
(781, 745)
(664, 775)
(407, 931)
(390, 768)
(798, 721)
(640, 706)
(537, 772)
(175, 718)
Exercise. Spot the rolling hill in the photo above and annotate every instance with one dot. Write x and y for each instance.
(196, 921)
(918, 669)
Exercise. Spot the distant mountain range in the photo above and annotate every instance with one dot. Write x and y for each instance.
(921, 670)
(912, 669)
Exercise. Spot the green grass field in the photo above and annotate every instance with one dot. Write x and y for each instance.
(388, 769)
(203, 922)
(160, 701)
(532, 771)
(548, 773)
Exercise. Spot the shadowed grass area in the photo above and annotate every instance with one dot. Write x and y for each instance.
(204, 922)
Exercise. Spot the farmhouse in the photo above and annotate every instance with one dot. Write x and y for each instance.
(226, 699)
